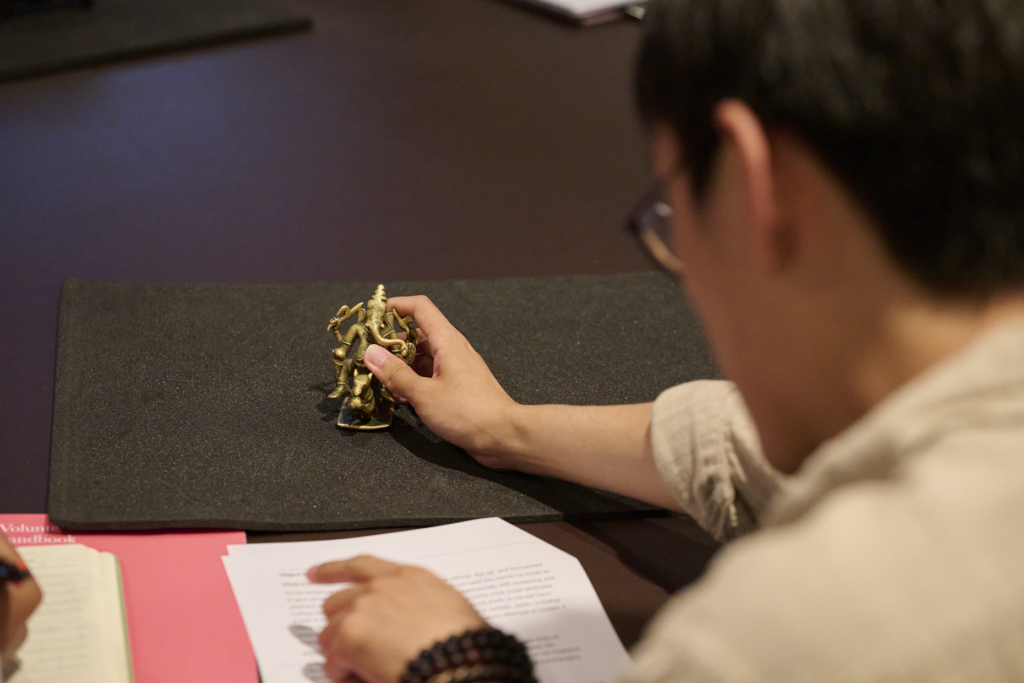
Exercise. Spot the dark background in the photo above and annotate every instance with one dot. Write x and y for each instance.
(398, 140)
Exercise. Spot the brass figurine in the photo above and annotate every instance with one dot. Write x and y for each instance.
(366, 403)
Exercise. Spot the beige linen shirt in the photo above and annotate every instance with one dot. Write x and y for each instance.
(896, 553)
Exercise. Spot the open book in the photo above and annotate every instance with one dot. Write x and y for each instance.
(79, 633)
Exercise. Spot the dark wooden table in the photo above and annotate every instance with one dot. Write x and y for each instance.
(399, 139)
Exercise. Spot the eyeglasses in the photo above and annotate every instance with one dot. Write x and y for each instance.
(651, 223)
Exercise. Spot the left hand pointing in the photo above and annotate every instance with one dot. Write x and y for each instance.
(390, 614)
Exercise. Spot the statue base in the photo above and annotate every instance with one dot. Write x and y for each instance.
(383, 413)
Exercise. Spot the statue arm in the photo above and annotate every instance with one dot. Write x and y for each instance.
(412, 335)
(343, 314)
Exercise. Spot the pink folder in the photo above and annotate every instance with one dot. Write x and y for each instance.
(183, 622)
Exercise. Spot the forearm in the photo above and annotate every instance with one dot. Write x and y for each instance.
(606, 447)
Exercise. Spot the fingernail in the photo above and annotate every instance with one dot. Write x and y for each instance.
(375, 356)
(311, 574)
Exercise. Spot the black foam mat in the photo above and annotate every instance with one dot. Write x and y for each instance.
(205, 405)
(40, 37)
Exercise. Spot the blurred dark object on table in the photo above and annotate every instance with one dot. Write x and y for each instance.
(7, 6)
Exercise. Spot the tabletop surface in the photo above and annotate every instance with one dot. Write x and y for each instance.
(399, 140)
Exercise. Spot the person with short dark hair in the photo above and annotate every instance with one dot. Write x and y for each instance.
(841, 189)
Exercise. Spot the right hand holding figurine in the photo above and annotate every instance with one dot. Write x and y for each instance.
(458, 397)
(17, 602)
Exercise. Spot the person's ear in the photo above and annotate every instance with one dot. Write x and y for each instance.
(665, 155)
(739, 127)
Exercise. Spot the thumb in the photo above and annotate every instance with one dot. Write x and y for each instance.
(393, 373)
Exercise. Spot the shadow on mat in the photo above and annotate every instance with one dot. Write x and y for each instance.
(566, 500)
(327, 407)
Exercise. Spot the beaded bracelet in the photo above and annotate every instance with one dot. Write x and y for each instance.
(486, 655)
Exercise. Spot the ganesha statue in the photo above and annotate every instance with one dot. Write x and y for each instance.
(366, 403)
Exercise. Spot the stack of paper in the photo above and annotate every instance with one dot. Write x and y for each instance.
(591, 11)
(517, 582)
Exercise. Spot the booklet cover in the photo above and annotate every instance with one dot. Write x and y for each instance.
(177, 599)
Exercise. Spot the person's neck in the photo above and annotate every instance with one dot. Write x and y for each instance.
(916, 333)
(876, 353)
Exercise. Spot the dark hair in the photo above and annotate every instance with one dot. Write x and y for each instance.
(916, 105)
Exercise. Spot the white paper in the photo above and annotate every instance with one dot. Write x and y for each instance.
(516, 581)
(583, 8)
(471, 535)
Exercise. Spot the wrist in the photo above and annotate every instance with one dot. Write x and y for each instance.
(505, 445)
(484, 655)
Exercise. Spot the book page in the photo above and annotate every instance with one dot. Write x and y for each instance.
(517, 582)
(69, 635)
(116, 648)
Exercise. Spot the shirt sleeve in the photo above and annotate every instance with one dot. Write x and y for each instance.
(708, 453)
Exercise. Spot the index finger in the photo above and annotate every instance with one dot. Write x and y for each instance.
(428, 317)
(7, 551)
(361, 568)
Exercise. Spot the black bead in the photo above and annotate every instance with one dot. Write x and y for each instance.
(480, 656)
